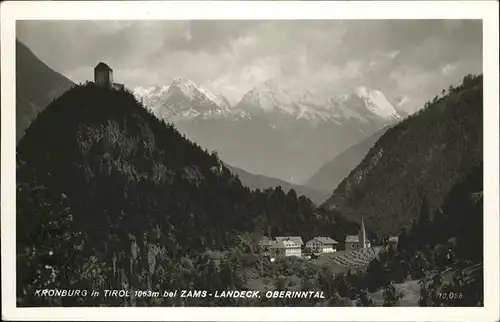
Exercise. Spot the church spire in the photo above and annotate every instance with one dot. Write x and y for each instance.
(362, 235)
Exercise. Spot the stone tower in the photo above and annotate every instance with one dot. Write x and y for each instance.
(103, 75)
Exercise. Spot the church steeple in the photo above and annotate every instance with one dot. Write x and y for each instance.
(362, 235)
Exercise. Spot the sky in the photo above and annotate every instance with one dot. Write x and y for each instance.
(414, 58)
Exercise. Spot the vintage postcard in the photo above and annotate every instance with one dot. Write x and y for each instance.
(278, 161)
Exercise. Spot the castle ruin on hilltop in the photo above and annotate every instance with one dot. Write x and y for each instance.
(103, 77)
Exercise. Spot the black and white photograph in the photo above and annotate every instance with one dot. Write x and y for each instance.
(250, 163)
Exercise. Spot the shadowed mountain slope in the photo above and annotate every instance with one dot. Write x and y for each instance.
(426, 154)
(332, 173)
(36, 86)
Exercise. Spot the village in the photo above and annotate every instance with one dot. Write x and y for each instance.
(356, 254)
(286, 246)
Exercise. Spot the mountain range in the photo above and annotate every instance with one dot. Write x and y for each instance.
(285, 133)
(183, 100)
(255, 181)
(273, 131)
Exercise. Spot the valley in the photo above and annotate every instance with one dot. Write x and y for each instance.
(168, 187)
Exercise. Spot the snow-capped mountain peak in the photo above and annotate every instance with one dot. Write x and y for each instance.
(218, 99)
(362, 91)
(377, 103)
(272, 97)
(150, 95)
(362, 104)
(183, 100)
(140, 91)
(186, 86)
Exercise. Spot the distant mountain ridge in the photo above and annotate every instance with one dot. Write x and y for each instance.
(363, 104)
(274, 131)
(184, 100)
(260, 182)
(36, 86)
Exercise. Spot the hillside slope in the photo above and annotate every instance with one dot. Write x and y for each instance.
(108, 196)
(36, 86)
(332, 173)
(424, 155)
(255, 181)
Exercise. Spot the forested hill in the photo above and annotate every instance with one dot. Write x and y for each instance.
(108, 194)
(425, 155)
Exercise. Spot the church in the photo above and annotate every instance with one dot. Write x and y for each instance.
(358, 241)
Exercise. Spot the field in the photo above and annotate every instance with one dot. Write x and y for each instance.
(342, 261)
(261, 277)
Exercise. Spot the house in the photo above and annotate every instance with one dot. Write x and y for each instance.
(296, 239)
(322, 245)
(103, 75)
(282, 246)
(357, 241)
(286, 246)
(265, 244)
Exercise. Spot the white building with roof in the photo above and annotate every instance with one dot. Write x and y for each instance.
(296, 239)
(286, 246)
(322, 245)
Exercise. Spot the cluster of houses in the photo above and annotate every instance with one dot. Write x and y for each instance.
(285, 246)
